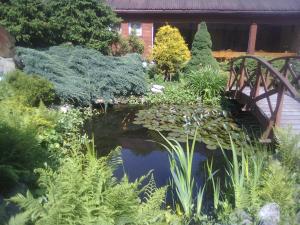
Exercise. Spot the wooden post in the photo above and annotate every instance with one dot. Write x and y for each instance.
(252, 38)
(242, 75)
(230, 80)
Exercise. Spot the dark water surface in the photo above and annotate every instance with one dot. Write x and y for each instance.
(140, 149)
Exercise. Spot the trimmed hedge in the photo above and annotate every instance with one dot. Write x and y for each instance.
(82, 75)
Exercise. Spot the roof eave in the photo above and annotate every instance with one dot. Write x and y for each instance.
(235, 12)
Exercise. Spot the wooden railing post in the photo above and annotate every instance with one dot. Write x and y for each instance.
(242, 74)
(256, 87)
(231, 79)
(280, 96)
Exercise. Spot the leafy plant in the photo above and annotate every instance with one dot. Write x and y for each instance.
(207, 83)
(288, 149)
(32, 88)
(181, 162)
(85, 188)
(20, 148)
(81, 22)
(173, 94)
(75, 80)
(16, 16)
(132, 44)
(201, 51)
(279, 187)
(170, 51)
(179, 120)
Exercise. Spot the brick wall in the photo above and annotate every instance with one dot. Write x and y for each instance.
(147, 29)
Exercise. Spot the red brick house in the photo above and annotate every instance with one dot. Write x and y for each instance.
(262, 27)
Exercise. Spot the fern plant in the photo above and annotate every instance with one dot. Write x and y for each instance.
(279, 186)
(84, 191)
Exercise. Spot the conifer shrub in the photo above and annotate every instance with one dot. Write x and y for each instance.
(170, 51)
(33, 89)
(39, 23)
(201, 50)
(82, 75)
(125, 45)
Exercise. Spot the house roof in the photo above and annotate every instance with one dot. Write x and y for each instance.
(206, 6)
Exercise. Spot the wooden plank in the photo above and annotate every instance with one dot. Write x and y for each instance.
(229, 54)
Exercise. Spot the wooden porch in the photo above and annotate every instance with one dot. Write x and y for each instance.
(229, 54)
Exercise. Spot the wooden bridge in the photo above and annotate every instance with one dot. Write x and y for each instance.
(269, 89)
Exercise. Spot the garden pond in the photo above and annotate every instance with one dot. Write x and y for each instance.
(135, 129)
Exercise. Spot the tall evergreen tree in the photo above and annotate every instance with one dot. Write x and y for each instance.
(40, 23)
(201, 50)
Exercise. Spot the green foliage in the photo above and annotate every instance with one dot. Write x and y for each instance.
(132, 44)
(33, 89)
(20, 148)
(136, 45)
(207, 83)
(82, 22)
(255, 181)
(174, 93)
(181, 163)
(170, 51)
(84, 191)
(288, 149)
(31, 136)
(17, 17)
(278, 186)
(201, 51)
(84, 75)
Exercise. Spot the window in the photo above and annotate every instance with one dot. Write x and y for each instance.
(135, 27)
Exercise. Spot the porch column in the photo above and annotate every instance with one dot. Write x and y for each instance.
(148, 37)
(252, 38)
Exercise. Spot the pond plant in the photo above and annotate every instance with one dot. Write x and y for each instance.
(207, 83)
(179, 120)
(253, 178)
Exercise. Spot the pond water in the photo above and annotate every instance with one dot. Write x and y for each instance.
(141, 151)
(141, 148)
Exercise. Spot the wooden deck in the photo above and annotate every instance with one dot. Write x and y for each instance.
(290, 114)
(229, 54)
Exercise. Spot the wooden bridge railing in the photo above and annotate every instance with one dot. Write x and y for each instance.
(257, 79)
(289, 66)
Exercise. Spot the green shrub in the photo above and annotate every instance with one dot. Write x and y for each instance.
(82, 22)
(170, 52)
(136, 45)
(85, 188)
(132, 44)
(279, 186)
(32, 89)
(175, 93)
(201, 51)
(288, 149)
(84, 75)
(207, 83)
(20, 147)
